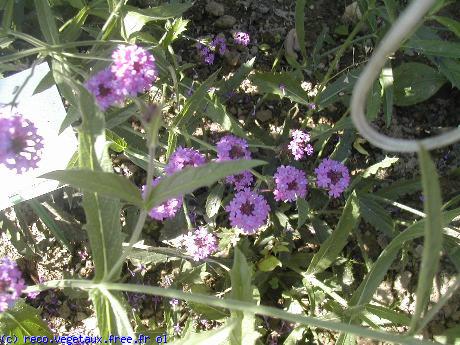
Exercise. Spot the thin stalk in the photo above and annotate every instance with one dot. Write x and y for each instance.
(233, 304)
(140, 220)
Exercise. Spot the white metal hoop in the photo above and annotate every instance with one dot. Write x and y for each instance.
(405, 24)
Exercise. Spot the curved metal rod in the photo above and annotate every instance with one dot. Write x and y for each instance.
(390, 43)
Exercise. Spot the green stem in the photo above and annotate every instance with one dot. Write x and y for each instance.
(238, 305)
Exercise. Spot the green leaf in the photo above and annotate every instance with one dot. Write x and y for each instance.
(374, 101)
(16, 237)
(217, 112)
(295, 336)
(435, 47)
(226, 86)
(452, 24)
(189, 179)
(135, 18)
(385, 163)
(173, 31)
(118, 144)
(415, 82)
(47, 22)
(331, 248)
(250, 307)
(72, 29)
(214, 200)
(341, 87)
(300, 26)
(372, 280)
(269, 82)
(302, 209)
(111, 314)
(244, 332)
(44, 84)
(23, 320)
(269, 263)
(207, 312)
(387, 83)
(105, 183)
(196, 101)
(433, 236)
(50, 223)
(216, 336)
(374, 214)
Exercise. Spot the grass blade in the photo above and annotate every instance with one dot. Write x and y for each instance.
(432, 238)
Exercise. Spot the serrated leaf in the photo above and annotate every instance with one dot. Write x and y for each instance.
(374, 214)
(331, 248)
(214, 200)
(173, 31)
(135, 18)
(415, 82)
(99, 182)
(189, 179)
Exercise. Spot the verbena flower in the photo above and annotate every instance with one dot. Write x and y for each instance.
(231, 147)
(291, 183)
(332, 176)
(167, 209)
(11, 283)
(134, 68)
(299, 144)
(218, 44)
(200, 244)
(248, 211)
(184, 157)
(206, 55)
(241, 181)
(20, 144)
(241, 38)
(105, 89)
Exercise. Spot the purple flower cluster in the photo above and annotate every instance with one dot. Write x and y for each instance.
(184, 157)
(20, 145)
(133, 71)
(207, 53)
(200, 244)
(333, 176)
(241, 38)
(291, 183)
(105, 89)
(11, 283)
(299, 144)
(231, 148)
(248, 211)
(240, 181)
(167, 209)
